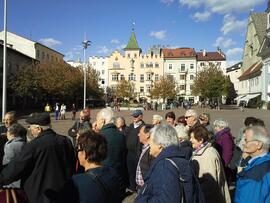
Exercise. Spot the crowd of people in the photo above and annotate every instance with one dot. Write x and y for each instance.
(175, 159)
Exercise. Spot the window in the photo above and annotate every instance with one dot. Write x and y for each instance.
(256, 81)
(191, 77)
(131, 77)
(182, 87)
(115, 65)
(48, 56)
(103, 63)
(192, 66)
(202, 64)
(218, 63)
(128, 55)
(156, 77)
(102, 72)
(142, 89)
(122, 77)
(148, 76)
(142, 78)
(151, 65)
(43, 55)
(148, 88)
(170, 66)
(37, 53)
(170, 77)
(135, 55)
(182, 77)
(102, 81)
(114, 77)
(156, 65)
(142, 65)
(183, 67)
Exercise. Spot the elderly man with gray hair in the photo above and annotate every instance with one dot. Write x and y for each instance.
(116, 155)
(253, 183)
(192, 119)
(162, 183)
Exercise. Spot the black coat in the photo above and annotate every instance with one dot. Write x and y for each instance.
(43, 166)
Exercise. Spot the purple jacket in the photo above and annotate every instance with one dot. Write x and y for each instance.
(224, 145)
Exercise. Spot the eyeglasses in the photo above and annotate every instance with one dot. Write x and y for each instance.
(250, 141)
(186, 117)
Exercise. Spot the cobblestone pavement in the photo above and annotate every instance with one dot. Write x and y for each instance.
(235, 117)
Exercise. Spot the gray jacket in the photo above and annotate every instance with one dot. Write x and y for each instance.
(11, 150)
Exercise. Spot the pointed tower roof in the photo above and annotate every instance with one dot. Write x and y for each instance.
(132, 43)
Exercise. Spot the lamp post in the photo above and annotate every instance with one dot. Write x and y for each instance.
(85, 43)
(4, 93)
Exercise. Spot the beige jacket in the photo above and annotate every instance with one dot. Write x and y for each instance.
(208, 166)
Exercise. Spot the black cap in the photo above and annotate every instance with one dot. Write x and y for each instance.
(39, 119)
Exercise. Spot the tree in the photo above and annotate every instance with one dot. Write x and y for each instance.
(230, 90)
(210, 83)
(166, 87)
(124, 89)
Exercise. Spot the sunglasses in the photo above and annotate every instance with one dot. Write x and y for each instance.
(186, 117)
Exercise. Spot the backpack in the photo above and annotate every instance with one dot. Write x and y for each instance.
(197, 196)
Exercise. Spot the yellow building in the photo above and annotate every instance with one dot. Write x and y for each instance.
(141, 69)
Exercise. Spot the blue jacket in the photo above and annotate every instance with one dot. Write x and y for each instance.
(253, 183)
(162, 182)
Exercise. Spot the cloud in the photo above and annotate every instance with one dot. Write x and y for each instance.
(201, 16)
(102, 50)
(230, 24)
(223, 6)
(159, 34)
(50, 42)
(74, 53)
(234, 52)
(191, 3)
(122, 46)
(167, 2)
(115, 41)
(223, 42)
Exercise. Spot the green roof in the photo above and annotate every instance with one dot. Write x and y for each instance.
(132, 43)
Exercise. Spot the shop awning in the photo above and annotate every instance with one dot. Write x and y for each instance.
(248, 97)
(239, 97)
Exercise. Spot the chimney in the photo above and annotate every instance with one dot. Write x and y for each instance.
(218, 50)
(204, 52)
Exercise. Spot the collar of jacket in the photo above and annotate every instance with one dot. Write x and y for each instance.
(15, 139)
(223, 131)
(108, 126)
(45, 132)
(202, 150)
(257, 161)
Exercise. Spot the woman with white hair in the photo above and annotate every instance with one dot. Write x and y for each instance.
(184, 143)
(162, 183)
(224, 144)
(157, 119)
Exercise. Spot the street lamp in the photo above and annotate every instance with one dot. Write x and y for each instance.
(4, 93)
(85, 43)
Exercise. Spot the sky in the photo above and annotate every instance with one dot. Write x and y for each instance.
(201, 24)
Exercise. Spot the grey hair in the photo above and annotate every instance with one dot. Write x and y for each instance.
(259, 133)
(182, 132)
(120, 118)
(191, 112)
(15, 129)
(164, 135)
(106, 114)
(158, 117)
(221, 123)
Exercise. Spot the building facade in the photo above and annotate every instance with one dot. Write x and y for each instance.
(100, 64)
(251, 78)
(181, 65)
(140, 69)
(32, 49)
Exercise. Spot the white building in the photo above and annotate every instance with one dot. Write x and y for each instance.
(31, 48)
(181, 64)
(100, 64)
(264, 52)
(234, 73)
(206, 59)
(251, 78)
(75, 64)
